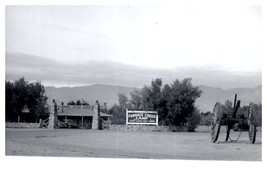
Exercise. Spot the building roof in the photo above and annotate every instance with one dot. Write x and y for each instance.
(105, 115)
(78, 111)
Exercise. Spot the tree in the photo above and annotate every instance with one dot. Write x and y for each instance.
(148, 98)
(206, 118)
(78, 102)
(181, 101)
(119, 111)
(84, 103)
(136, 100)
(243, 111)
(123, 100)
(71, 102)
(16, 98)
(10, 101)
(37, 100)
(104, 109)
(174, 102)
(228, 107)
(20, 94)
(164, 105)
(193, 120)
(155, 93)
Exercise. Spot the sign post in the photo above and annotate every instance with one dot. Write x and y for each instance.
(142, 117)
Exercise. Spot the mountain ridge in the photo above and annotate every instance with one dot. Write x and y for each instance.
(59, 73)
(108, 94)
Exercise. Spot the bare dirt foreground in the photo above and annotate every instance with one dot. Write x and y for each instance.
(127, 144)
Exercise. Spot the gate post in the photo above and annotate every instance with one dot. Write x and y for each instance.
(97, 124)
(53, 116)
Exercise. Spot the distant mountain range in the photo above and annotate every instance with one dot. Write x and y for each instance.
(102, 93)
(212, 95)
(108, 94)
(59, 73)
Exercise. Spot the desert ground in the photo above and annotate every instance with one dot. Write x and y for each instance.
(130, 144)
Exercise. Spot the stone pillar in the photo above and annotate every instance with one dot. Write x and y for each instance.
(96, 122)
(53, 116)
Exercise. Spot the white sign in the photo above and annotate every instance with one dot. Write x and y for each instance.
(142, 117)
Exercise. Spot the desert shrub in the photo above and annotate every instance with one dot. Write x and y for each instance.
(206, 118)
(193, 120)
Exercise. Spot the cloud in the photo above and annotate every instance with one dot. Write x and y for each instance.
(154, 36)
(55, 73)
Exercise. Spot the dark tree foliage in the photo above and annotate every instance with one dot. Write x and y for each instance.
(137, 101)
(178, 102)
(193, 120)
(119, 111)
(11, 107)
(104, 108)
(78, 102)
(37, 100)
(228, 107)
(20, 94)
(148, 98)
(84, 103)
(206, 118)
(243, 111)
(174, 102)
(71, 102)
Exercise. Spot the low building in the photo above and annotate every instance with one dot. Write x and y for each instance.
(81, 117)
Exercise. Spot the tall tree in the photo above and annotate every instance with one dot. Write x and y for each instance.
(174, 102)
(181, 102)
(71, 102)
(119, 111)
(136, 100)
(78, 102)
(10, 101)
(20, 94)
(148, 98)
(37, 100)
(164, 105)
(155, 94)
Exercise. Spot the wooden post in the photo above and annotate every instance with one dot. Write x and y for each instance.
(157, 119)
(127, 116)
(40, 123)
(18, 118)
(108, 122)
(82, 121)
(235, 100)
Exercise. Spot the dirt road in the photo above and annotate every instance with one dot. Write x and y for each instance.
(126, 144)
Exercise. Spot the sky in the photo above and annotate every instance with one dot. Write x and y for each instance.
(223, 37)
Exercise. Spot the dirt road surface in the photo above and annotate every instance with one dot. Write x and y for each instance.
(127, 144)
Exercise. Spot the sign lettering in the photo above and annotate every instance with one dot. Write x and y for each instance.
(142, 117)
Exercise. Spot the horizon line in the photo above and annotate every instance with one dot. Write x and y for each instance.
(89, 85)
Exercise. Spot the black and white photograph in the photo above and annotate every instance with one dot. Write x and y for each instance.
(134, 82)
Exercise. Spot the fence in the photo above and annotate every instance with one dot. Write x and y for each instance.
(44, 123)
(147, 128)
(23, 125)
